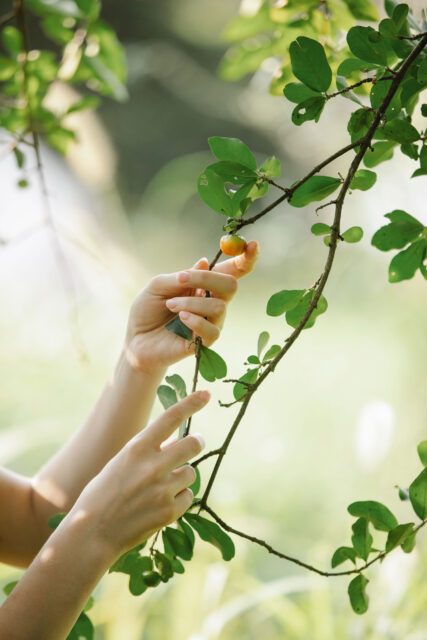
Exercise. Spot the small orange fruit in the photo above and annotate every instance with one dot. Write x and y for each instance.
(232, 245)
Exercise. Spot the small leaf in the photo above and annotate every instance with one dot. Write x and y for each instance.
(86, 102)
(404, 265)
(253, 360)
(12, 40)
(187, 530)
(211, 532)
(341, 555)
(309, 63)
(167, 396)
(233, 172)
(137, 584)
(212, 366)
(422, 452)
(402, 229)
(9, 587)
(271, 352)
(353, 234)
(310, 109)
(380, 152)
(271, 167)
(55, 520)
(408, 544)
(163, 565)
(195, 487)
(263, 339)
(377, 513)
(179, 543)
(152, 579)
(315, 188)
(240, 390)
(320, 229)
(400, 131)
(418, 494)
(369, 45)
(361, 538)
(178, 383)
(403, 493)
(363, 180)
(296, 92)
(294, 316)
(233, 150)
(397, 536)
(363, 9)
(357, 594)
(283, 301)
(180, 329)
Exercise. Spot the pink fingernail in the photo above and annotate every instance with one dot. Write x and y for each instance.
(183, 276)
(184, 315)
(201, 439)
(171, 304)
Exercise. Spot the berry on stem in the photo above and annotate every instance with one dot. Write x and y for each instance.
(232, 244)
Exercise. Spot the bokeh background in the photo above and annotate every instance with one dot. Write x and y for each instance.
(342, 415)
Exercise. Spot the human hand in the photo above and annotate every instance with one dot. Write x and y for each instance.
(149, 345)
(145, 486)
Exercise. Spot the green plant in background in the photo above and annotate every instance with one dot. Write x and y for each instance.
(382, 70)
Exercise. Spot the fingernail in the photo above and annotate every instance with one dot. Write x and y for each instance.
(171, 304)
(184, 315)
(204, 395)
(201, 439)
(183, 276)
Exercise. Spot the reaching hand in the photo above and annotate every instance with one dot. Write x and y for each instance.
(149, 345)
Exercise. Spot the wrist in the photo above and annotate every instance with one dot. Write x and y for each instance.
(130, 365)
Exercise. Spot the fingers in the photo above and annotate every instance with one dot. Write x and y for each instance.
(182, 478)
(183, 502)
(207, 331)
(180, 451)
(170, 420)
(211, 308)
(185, 282)
(242, 264)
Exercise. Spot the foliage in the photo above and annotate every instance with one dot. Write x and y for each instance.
(382, 71)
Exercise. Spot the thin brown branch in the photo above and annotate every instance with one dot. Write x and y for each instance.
(372, 80)
(205, 456)
(284, 556)
(417, 36)
(364, 145)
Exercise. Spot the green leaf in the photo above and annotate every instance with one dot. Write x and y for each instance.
(60, 139)
(422, 72)
(233, 172)
(314, 189)
(271, 352)
(283, 301)
(263, 339)
(310, 109)
(177, 566)
(341, 555)
(8, 68)
(295, 315)
(377, 513)
(359, 123)
(83, 629)
(378, 94)
(137, 584)
(408, 544)
(211, 188)
(163, 565)
(87, 102)
(233, 150)
(363, 9)
(410, 150)
(253, 360)
(296, 92)
(131, 561)
(400, 131)
(403, 493)
(195, 487)
(363, 180)
(9, 587)
(179, 542)
(19, 157)
(211, 532)
(380, 152)
(353, 234)
(212, 366)
(240, 390)
(12, 40)
(418, 494)
(55, 520)
(402, 229)
(320, 229)
(187, 530)
(309, 63)
(167, 396)
(180, 329)
(397, 536)
(361, 538)
(357, 593)
(422, 452)
(404, 265)
(271, 167)
(178, 383)
(66, 8)
(369, 45)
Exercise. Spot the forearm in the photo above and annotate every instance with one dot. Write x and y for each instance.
(51, 594)
(122, 409)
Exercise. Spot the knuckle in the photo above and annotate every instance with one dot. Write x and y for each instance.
(169, 513)
(233, 284)
(193, 446)
(190, 474)
(219, 308)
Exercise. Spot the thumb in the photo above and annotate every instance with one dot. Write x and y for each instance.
(202, 263)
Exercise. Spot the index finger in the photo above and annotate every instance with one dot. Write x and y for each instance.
(242, 264)
(170, 420)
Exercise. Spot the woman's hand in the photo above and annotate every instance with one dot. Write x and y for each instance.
(145, 486)
(149, 345)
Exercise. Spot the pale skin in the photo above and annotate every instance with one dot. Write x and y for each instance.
(119, 480)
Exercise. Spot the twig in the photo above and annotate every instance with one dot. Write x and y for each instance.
(300, 563)
(328, 96)
(205, 456)
(364, 144)
(417, 36)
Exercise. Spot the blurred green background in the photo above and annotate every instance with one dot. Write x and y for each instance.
(342, 415)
